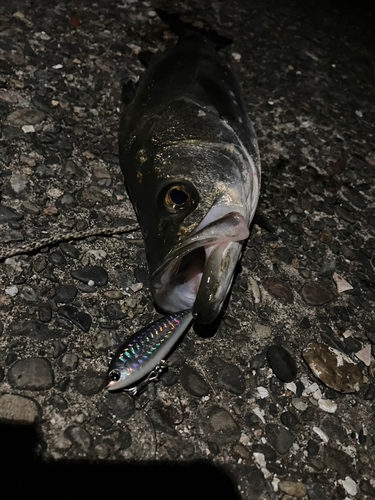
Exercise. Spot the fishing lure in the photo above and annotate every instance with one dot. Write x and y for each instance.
(142, 354)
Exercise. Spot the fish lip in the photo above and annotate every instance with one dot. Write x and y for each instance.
(206, 301)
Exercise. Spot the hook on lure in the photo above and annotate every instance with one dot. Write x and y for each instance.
(140, 359)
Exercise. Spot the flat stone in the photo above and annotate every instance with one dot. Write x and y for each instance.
(344, 214)
(193, 382)
(90, 383)
(114, 312)
(69, 250)
(282, 363)
(69, 361)
(296, 490)
(356, 198)
(338, 461)
(66, 294)
(25, 116)
(98, 275)
(45, 312)
(18, 183)
(161, 422)
(18, 409)
(284, 255)
(8, 214)
(33, 374)
(315, 491)
(29, 207)
(29, 295)
(279, 438)
(78, 318)
(66, 202)
(289, 419)
(35, 330)
(278, 290)
(333, 368)
(316, 295)
(222, 425)
(226, 375)
(57, 258)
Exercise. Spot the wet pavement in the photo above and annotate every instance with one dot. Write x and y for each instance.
(278, 401)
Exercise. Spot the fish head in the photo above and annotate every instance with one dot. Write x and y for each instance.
(120, 373)
(195, 202)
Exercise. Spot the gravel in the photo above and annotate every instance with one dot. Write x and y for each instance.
(273, 403)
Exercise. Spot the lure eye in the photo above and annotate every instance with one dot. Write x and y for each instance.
(114, 376)
(177, 197)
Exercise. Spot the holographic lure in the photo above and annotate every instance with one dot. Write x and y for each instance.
(142, 354)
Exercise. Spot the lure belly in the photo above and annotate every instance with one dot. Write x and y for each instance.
(145, 350)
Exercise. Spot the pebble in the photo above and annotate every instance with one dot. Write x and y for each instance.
(325, 237)
(338, 461)
(12, 291)
(278, 290)
(365, 355)
(58, 348)
(57, 258)
(333, 367)
(289, 419)
(18, 183)
(296, 490)
(39, 263)
(18, 409)
(90, 383)
(66, 294)
(119, 404)
(316, 295)
(356, 198)
(193, 382)
(45, 312)
(327, 405)
(25, 116)
(284, 255)
(8, 214)
(79, 437)
(349, 485)
(342, 285)
(33, 374)
(29, 207)
(69, 361)
(66, 202)
(5, 302)
(282, 363)
(262, 331)
(78, 318)
(221, 426)
(114, 312)
(69, 250)
(91, 273)
(315, 491)
(226, 375)
(299, 404)
(279, 438)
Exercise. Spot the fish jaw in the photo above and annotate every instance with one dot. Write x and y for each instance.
(198, 273)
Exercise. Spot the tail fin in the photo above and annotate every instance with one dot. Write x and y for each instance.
(184, 30)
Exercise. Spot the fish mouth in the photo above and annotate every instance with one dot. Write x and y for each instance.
(198, 273)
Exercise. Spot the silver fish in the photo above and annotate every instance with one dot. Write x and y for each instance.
(144, 351)
(190, 161)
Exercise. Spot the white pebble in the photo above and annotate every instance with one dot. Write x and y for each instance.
(349, 485)
(359, 113)
(323, 436)
(261, 392)
(57, 66)
(28, 129)
(12, 291)
(91, 283)
(327, 405)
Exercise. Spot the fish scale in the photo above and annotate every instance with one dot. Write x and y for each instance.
(144, 350)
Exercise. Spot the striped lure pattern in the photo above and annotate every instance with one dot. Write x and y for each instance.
(143, 351)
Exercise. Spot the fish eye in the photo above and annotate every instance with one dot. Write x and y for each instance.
(114, 375)
(177, 197)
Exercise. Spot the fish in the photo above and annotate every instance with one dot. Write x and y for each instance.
(144, 352)
(190, 160)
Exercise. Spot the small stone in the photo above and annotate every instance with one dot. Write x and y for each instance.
(57, 258)
(282, 363)
(79, 437)
(316, 295)
(365, 355)
(356, 198)
(227, 375)
(18, 183)
(25, 116)
(95, 273)
(69, 250)
(66, 294)
(29, 295)
(12, 291)
(296, 490)
(338, 461)
(333, 367)
(8, 214)
(193, 382)
(5, 303)
(327, 405)
(289, 419)
(90, 383)
(119, 404)
(222, 425)
(58, 348)
(66, 202)
(33, 374)
(369, 395)
(284, 255)
(315, 491)
(279, 438)
(18, 409)
(39, 263)
(262, 331)
(69, 361)
(325, 237)
(342, 285)
(299, 404)
(78, 318)
(30, 207)
(312, 448)
(114, 312)
(45, 312)
(278, 290)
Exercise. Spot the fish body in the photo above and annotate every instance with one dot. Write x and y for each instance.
(144, 350)
(190, 160)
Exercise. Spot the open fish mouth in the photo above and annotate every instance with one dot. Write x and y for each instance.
(198, 273)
